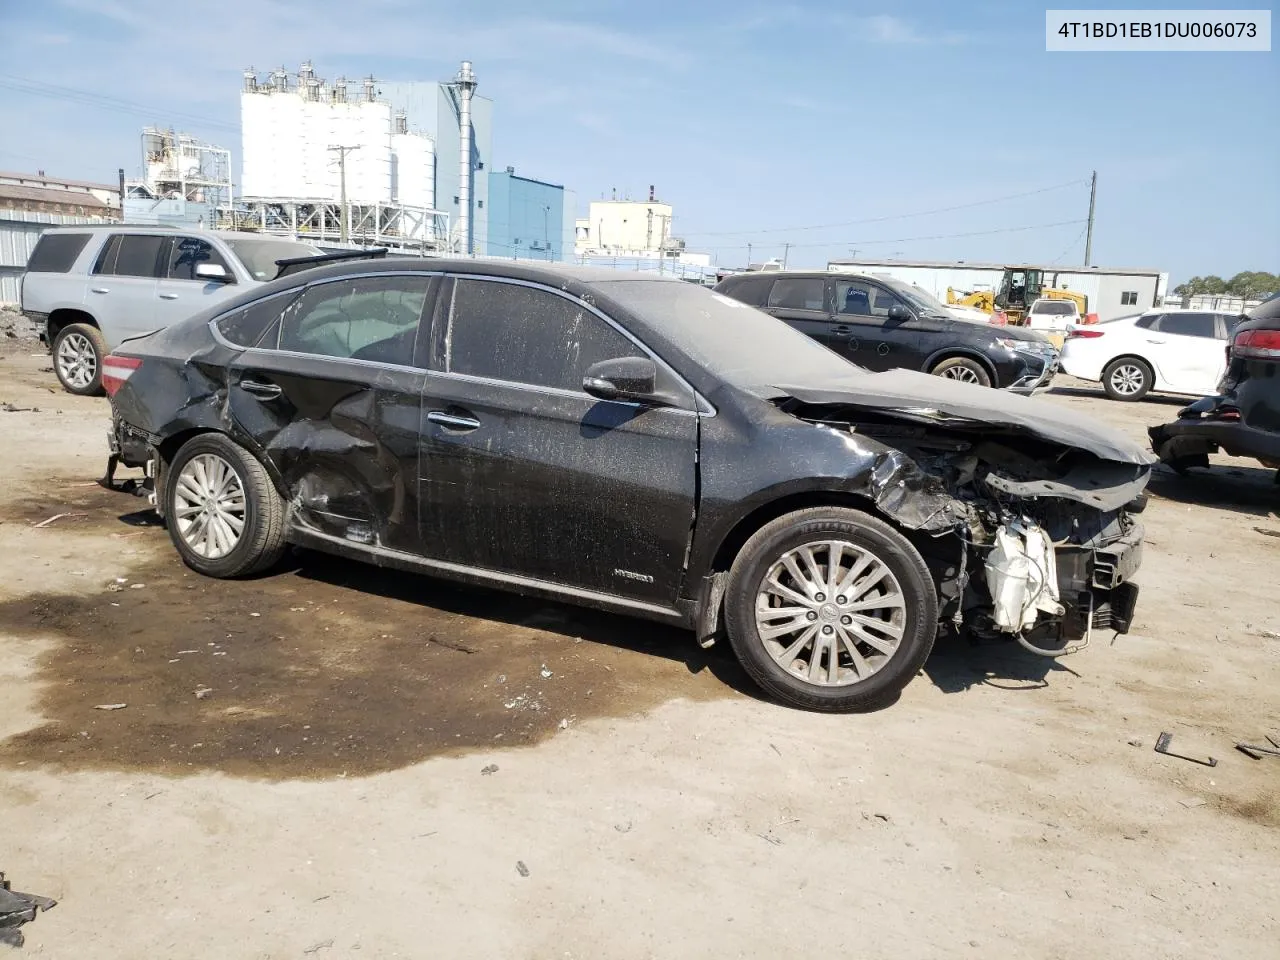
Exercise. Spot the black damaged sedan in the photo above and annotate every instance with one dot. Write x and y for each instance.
(637, 444)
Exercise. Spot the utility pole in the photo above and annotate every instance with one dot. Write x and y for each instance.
(748, 256)
(1088, 237)
(786, 249)
(344, 226)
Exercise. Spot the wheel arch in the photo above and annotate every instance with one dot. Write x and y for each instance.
(64, 317)
(967, 353)
(174, 441)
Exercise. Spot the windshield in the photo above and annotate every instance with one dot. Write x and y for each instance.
(922, 300)
(259, 254)
(736, 342)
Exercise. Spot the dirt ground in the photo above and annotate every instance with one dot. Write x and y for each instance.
(336, 761)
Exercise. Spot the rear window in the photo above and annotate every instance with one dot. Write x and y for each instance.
(1055, 308)
(56, 252)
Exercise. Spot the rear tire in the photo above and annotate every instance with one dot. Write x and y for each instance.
(1127, 378)
(835, 640)
(224, 514)
(78, 349)
(963, 369)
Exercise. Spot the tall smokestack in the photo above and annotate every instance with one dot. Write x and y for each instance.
(465, 82)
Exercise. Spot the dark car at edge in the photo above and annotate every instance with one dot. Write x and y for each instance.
(881, 323)
(1243, 419)
(636, 444)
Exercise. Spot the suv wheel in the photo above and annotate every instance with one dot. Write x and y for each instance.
(831, 609)
(78, 350)
(1127, 378)
(964, 369)
(224, 514)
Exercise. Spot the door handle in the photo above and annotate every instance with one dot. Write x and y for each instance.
(842, 329)
(168, 296)
(453, 421)
(99, 290)
(263, 391)
(1155, 341)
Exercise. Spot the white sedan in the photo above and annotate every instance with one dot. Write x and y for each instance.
(1168, 350)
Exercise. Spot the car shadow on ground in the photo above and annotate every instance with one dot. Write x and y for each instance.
(958, 663)
(500, 607)
(1249, 490)
(1097, 393)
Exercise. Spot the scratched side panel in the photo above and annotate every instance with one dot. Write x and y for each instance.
(565, 488)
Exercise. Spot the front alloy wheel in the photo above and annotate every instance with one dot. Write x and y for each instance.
(831, 609)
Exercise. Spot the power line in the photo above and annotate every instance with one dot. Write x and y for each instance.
(938, 236)
(1071, 245)
(39, 88)
(899, 216)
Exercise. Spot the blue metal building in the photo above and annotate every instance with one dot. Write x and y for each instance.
(528, 219)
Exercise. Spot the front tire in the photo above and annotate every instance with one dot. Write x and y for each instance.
(830, 609)
(78, 349)
(224, 514)
(963, 369)
(1127, 378)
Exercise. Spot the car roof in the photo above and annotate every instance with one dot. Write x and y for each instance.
(551, 273)
(167, 228)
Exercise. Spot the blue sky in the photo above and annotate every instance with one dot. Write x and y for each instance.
(759, 122)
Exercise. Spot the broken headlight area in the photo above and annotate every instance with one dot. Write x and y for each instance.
(1044, 541)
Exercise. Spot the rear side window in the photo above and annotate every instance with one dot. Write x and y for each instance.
(1147, 321)
(1188, 324)
(187, 253)
(56, 252)
(246, 326)
(129, 255)
(506, 331)
(797, 293)
(754, 291)
(363, 318)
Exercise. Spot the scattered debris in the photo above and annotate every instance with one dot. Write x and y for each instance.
(882, 816)
(521, 868)
(1267, 533)
(10, 408)
(491, 768)
(203, 693)
(1256, 752)
(110, 706)
(623, 829)
(451, 644)
(322, 945)
(255, 614)
(1269, 634)
(1162, 746)
(61, 516)
(1135, 741)
(546, 674)
(776, 841)
(1193, 802)
(137, 586)
(18, 908)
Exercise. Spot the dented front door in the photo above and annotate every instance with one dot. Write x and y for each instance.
(332, 401)
(525, 474)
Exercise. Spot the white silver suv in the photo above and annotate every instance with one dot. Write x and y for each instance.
(88, 288)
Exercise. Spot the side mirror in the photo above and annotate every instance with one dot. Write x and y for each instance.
(626, 378)
(900, 313)
(214, 272)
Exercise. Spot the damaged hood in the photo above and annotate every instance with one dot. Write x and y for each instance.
(924, 398)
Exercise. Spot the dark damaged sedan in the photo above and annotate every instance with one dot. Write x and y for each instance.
(637, 444)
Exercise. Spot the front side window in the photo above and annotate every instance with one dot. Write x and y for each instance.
(130, 255)
(1188, 324)
(862, 299)
(187, 253)
(361, 318)
(520, 334)
(797, 293)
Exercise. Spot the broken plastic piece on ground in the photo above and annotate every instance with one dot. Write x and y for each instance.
(1163, 743)
(60, 516)
(17, 908)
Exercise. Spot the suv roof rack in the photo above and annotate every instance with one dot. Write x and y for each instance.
(294, 264)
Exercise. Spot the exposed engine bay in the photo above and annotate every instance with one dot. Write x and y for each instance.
(1028, 538)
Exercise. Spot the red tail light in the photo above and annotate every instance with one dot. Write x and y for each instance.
(1257, 345)
(116, 370)
(1075, 333)
(1090, 318)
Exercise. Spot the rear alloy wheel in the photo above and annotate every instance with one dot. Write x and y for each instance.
(224, 514)
(831, 609)
(1127, 379)
(78, 349)
(964, 369)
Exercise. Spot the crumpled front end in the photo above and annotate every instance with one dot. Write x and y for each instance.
(1028, 538)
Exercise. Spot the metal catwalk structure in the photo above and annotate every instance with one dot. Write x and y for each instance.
(402, 228)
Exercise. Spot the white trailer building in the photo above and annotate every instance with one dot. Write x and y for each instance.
(1112, 291)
